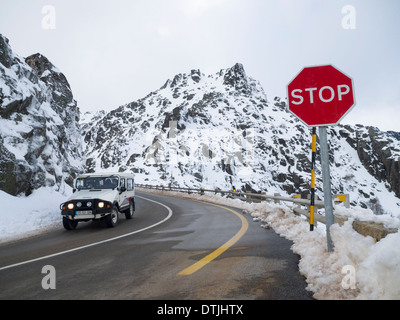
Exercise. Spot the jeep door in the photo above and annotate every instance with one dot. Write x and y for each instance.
(122, 193)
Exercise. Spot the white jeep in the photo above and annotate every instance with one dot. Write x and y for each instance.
(100, 196)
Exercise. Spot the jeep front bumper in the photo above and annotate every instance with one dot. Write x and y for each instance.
(86, 209)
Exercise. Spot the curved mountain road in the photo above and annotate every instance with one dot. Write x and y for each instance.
(173, 249)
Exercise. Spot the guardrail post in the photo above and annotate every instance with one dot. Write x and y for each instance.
(347, 202)
(262, 194)
(345, 198)
(277, 195)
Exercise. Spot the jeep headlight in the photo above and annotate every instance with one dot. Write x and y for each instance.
(70, 206)
(100, 204)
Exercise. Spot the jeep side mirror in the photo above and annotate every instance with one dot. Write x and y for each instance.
(122, 189)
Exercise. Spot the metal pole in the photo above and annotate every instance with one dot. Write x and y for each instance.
(327, 185)
(312, 198)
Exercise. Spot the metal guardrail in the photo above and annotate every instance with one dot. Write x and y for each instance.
(250, 197)
(373, 229)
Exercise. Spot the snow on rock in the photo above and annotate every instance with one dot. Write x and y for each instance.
(40, 142)
(220, 131)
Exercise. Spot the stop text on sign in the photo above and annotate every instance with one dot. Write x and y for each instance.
(325, 94)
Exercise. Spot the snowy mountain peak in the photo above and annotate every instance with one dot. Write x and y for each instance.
(40, 64)
(236, 77)
(6, 54)
(184, 80)
(231, 78)
(195, 75)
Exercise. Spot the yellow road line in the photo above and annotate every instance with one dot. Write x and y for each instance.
(201, 263)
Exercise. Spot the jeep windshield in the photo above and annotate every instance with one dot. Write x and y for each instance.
(87, 183)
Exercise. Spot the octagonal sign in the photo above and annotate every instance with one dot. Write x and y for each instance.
(321, 95)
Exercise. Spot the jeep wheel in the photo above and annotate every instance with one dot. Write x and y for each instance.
(69, 224)
(112, 218)
(130, 211)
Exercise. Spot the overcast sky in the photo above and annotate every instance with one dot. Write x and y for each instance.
(115, 52)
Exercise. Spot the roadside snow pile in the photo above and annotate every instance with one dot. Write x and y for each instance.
(358, 268)
(355, 270)
(21, 217)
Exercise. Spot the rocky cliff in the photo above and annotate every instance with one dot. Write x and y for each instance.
(40, 142)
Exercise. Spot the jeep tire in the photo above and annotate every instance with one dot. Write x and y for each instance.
(69, 224)
(130, 211)
(112, 218)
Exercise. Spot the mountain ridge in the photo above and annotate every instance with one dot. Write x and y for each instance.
(182, 131)
(216, 130)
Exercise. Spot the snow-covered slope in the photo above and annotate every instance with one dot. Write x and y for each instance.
(40, 142)
(220, 131)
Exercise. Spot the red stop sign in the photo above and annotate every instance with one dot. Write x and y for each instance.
(320, 96)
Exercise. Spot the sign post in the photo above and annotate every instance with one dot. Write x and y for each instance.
(321, 96)
(326, 178)
(313, 155)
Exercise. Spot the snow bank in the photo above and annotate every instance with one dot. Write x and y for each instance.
(358, 268)
(21, 217)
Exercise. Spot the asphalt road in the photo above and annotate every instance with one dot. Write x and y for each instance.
(173, 249)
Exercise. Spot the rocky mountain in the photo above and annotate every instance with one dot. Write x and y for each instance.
(221, 131)
(214, 131)
(40, 142)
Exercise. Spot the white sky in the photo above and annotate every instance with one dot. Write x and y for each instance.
(115, 52)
